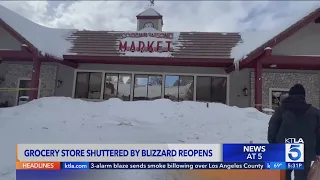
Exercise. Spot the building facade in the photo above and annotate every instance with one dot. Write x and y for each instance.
(150, 64)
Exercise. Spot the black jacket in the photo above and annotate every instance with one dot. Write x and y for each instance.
(296, 119)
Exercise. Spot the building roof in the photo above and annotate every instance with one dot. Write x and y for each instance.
(254, 50)
(186, 44)
(149, 12)
(56, 42)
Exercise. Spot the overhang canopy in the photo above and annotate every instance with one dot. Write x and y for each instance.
(12, 55)
(204, 62)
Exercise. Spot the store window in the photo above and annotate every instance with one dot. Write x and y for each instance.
(88, 85)
(117, 86)
(147, 87)
(211, 89)
(124, 87)
(179, 88)
(276, 96)
(110, 86)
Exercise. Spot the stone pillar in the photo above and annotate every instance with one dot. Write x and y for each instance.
(258, 85)
(35, 78)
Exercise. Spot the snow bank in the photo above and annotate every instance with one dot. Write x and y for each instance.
(251, 40)
(48, 40)
(267, 110)
(66, 120)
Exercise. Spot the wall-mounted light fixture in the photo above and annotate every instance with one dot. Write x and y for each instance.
(59, 82)
(245, 91)
(273, 65)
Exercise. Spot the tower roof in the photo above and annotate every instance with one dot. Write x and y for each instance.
(149, 12)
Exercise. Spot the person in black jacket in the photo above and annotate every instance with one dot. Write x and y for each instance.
(297, 119)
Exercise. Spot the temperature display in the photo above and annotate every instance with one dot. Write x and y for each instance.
(276, 165)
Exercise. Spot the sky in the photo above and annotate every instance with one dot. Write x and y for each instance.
(221, 16)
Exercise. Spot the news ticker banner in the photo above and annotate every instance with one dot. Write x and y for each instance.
(157, 165)
(160, 156)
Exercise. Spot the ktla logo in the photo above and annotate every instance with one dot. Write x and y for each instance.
(294, 152)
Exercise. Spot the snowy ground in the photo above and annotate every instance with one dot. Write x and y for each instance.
(66, 120)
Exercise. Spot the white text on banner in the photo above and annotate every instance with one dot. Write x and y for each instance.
(119, 152)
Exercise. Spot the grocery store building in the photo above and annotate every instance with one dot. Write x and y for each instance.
(149, 63)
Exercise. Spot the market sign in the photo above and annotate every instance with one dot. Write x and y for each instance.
(146, 42)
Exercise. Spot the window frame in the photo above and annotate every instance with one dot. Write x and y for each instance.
(179, 81)
(88, 85)
(148, 76)
(211, 87)
(18, 86)
(163, 74)
(275, 89)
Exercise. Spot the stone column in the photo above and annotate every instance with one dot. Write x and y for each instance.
(35, 78)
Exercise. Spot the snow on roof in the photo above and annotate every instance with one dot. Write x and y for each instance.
(251, 40)
(49, 40)
(150, 12)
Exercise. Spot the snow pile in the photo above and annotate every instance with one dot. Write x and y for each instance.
(251, 40)
(48, 40)
(267, 110)
(66, 120)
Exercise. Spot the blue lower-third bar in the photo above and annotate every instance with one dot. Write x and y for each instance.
(75, 165)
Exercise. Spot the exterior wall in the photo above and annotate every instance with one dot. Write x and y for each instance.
(286, 79)
(237, 80)
(12, 72)
(66, 75)
(304, 42)
(154, 21)
(7, 41)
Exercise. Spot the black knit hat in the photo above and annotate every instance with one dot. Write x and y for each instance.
(297, 89)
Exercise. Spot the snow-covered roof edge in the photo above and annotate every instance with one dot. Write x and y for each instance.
(145, 30)
(53, 41)
(254, 40)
